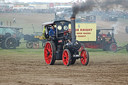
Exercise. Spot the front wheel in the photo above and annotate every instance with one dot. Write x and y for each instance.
(66, 57)
(49, 53)
(113, 47)
(84, 57)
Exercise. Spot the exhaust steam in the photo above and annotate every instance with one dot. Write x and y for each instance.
(103, 5)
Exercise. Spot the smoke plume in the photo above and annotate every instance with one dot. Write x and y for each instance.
(104, 5)
(116, 27)
(82, 7)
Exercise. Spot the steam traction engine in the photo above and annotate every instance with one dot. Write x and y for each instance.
(63, 46)
(32, 41)
(103, 41)
(10, 37)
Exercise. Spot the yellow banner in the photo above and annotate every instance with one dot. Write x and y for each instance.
(86, 31)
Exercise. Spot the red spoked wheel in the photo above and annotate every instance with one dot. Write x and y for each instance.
(49, 53)
(84, 57)
(113, 47)
(66, 57)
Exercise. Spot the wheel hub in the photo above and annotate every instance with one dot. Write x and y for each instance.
(64, 57)
(10, 42)
(48, 53)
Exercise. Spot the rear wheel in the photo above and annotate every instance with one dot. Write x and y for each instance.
(113, 47)
(10, 43)
(84, 57)
(49, 53)
(66, 57)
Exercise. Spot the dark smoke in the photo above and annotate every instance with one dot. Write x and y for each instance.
(83, 6)
(104, 5)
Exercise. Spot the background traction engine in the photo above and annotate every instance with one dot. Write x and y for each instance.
(64, 46)
(10, 37)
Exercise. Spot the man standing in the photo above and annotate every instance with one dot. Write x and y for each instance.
(14, 20)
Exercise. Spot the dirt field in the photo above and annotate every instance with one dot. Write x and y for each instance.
(27, 67)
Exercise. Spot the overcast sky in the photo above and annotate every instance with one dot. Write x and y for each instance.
(42, 0)
(45, 0)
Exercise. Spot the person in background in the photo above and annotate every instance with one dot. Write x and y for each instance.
(14, 20)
